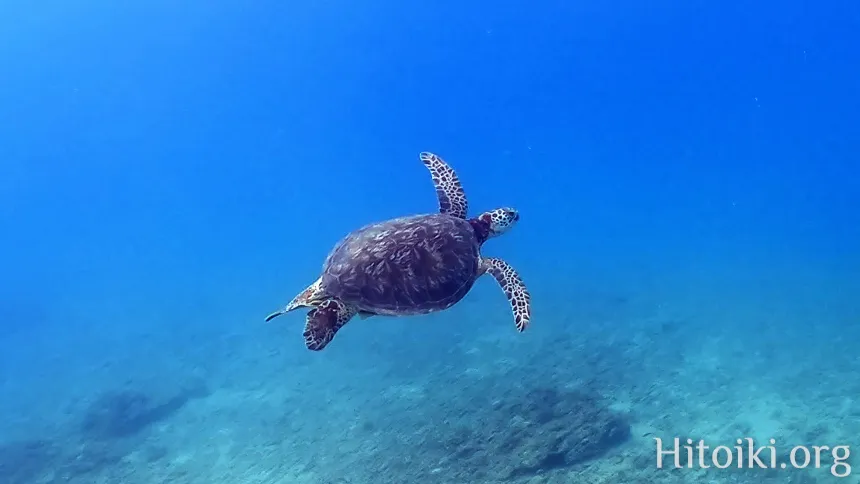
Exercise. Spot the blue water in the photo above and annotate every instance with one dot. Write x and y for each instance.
(171, 172)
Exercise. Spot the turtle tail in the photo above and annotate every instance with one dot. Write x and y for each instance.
(274, 315)
(310, 297)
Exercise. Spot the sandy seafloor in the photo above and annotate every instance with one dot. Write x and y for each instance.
(423, 399)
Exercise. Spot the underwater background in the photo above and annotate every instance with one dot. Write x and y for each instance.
(171, 172)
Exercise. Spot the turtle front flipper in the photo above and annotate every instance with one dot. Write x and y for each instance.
(515, 289)
(324, 321)
(310, 297)
(452, 198)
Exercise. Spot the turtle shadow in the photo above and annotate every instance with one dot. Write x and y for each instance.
(581, 428)
(106, 432)
(124, 413)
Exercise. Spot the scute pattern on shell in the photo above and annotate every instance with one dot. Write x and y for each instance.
(408, 265)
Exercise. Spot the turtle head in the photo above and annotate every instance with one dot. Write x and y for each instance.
(498, 221)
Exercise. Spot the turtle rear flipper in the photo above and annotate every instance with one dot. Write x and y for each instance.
(324, 321)
(515, 289)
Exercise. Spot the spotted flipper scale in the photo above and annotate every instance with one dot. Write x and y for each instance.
(449, 190)
(514, 288)
(324, 321)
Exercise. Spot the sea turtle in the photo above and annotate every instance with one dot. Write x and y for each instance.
(410, 265)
